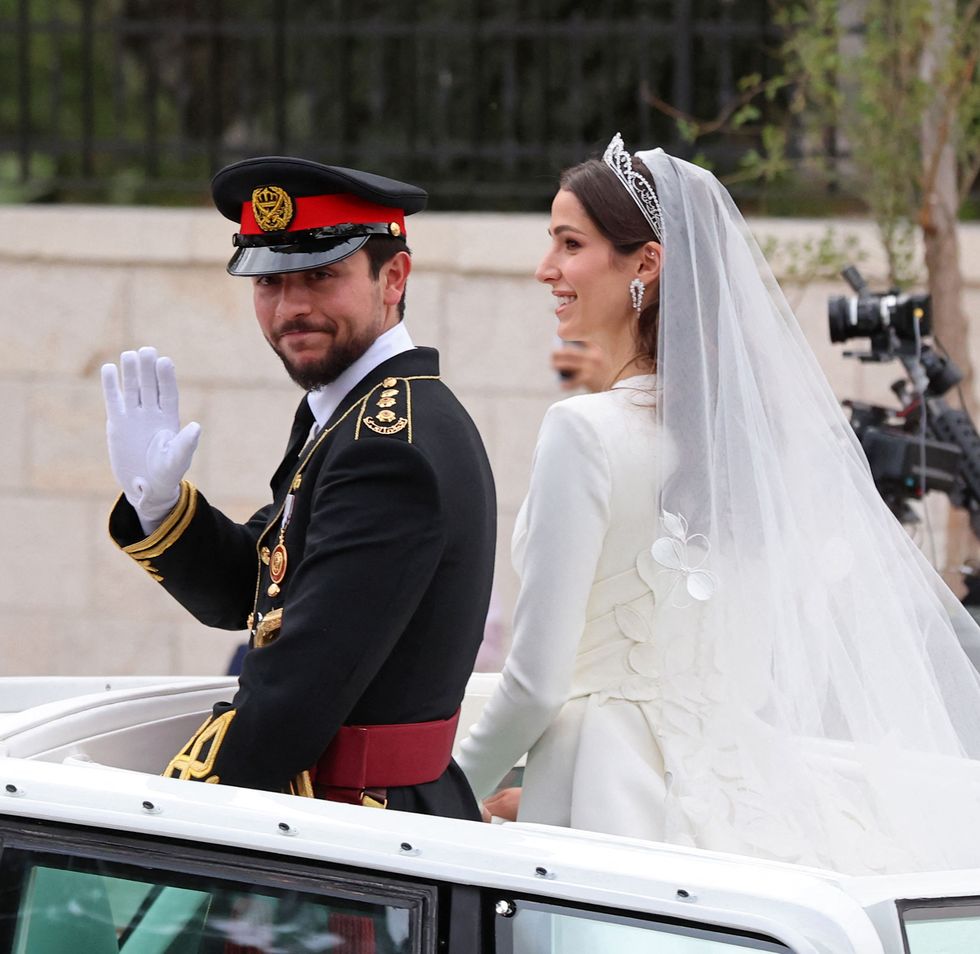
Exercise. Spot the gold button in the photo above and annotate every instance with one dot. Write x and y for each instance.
(390, 382)
(386, 416)
(386, 402)
(265, 554)
(389, 392)
(395, 229)
(273, 590)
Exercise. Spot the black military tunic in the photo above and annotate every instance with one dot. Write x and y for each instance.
(389, 544)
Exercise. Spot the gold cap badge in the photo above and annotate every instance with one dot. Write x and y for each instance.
(395, 229)
(272, 208)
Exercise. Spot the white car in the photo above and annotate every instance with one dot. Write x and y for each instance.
(99, 854)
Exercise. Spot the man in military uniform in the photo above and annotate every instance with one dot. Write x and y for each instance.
(365, 582)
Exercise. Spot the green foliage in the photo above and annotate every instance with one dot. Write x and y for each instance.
(856, 97)
(802, 261)
(869, 87)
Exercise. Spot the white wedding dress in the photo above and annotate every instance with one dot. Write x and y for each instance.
(578, 685)
(629, 719)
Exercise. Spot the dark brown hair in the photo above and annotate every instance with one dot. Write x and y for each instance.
(381, 249)
(617, 217)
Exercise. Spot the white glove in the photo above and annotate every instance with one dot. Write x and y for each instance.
(148, 452)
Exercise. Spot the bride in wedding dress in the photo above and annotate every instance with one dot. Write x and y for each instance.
(723, 637)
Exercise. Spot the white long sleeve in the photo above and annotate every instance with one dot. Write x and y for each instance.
(567, 514)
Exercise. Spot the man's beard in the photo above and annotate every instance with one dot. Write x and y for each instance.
(312, 377)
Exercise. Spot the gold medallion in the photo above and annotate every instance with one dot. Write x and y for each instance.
(389, 392)
(386, 417)
(272, 208)
(386, 402)
(277, 563)
(390, 382)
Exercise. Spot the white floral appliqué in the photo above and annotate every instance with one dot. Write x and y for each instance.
(685, 554)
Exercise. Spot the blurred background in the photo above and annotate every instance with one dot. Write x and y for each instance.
(849, 132)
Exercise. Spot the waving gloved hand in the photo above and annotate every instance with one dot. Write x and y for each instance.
(148, 451)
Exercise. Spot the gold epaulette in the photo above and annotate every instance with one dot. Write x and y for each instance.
(168, 533)
(387, 409)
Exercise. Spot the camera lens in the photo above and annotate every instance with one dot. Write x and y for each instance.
(839, 318)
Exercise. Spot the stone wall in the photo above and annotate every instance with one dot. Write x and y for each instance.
(78, 285)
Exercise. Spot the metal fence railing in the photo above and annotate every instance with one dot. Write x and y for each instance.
(482, 101)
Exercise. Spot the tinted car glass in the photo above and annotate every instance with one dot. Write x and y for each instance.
(952, 927)
(525, 927)
(54, 903)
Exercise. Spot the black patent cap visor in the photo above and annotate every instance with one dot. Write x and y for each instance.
(276, 259)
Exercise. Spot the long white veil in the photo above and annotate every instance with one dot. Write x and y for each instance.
(837, 717)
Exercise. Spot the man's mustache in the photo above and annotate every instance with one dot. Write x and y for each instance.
(294, 327)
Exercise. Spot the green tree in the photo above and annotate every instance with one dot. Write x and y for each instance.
(898, 80)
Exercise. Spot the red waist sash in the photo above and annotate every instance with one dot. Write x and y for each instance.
(386, 756)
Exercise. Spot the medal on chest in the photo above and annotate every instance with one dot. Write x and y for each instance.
(278, 562)
(279, 558)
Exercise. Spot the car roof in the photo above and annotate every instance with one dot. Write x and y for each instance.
(44, 776)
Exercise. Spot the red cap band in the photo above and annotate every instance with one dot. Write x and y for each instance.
(321, 211)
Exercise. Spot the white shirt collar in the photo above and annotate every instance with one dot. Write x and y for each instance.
(324, 401)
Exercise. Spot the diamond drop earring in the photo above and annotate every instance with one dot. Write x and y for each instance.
(637, 288)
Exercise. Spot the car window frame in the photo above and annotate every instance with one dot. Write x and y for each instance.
(762, 942)
(222, 863)
(911, 904)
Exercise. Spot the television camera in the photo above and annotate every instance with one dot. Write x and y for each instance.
(924, 444)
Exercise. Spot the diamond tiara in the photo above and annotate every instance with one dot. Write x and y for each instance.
(638, 186)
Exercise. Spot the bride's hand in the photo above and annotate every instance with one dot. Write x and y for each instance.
(503, 804)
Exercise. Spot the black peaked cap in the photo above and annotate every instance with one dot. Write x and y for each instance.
(234, 184)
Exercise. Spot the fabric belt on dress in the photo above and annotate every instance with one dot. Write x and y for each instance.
(364, 761)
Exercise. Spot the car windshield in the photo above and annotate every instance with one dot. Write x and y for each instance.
(951, 926)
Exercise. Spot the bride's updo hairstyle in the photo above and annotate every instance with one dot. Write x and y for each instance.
(617, 217)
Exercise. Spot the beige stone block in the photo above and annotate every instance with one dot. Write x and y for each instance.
(499, 335)
(203, 651)
(109, 644)
(425, 308)
(15, 427)
(969, 236)
(67, 439)
(122, 588)
(115, 235)
(243, 440)
(46, 541)
(518, 420)
(506, 583)
(480, 243)
(482, 408)
(203, 319)
(58, 324)
(34, 642)
(790, 244)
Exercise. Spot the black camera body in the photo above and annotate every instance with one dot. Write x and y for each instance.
(925, 444)
(880, 317)
(868, 316)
